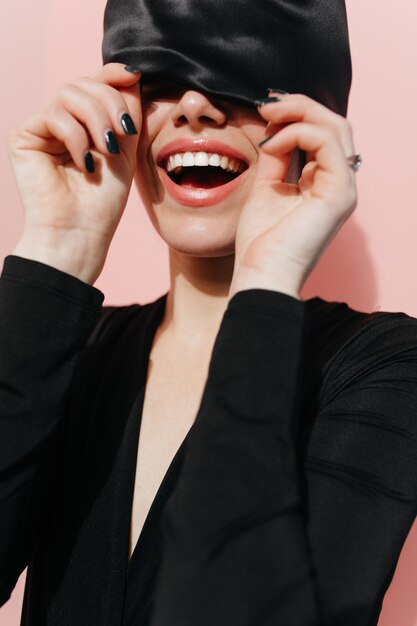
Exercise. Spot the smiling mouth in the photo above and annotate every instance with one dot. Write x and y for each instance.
(203, 177)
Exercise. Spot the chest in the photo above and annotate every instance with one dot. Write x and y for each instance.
(173, 393)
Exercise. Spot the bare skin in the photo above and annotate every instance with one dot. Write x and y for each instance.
(201, 244)
(174, 386)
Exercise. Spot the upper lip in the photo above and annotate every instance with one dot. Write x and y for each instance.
(184, 144)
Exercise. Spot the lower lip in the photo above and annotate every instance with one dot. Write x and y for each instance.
(199, 197)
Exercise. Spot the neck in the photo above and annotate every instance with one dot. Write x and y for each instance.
(198, 296)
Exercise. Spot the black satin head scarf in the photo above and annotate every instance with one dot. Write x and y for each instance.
(235, 48)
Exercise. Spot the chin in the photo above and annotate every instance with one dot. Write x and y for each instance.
(199, 236)
(204, 231)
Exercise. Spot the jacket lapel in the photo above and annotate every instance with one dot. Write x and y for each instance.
(85, 552)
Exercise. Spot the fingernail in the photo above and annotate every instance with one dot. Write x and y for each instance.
(264, 141)
(89, 162)
(128, 125)
(132, 68)
(277, 90)
(112, 143)
(263, 101)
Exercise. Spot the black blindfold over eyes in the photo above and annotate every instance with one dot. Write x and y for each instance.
(235, 49)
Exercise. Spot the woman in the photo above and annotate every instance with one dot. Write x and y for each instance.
(328, 386)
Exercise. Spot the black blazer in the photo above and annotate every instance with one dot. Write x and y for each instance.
(287, 503)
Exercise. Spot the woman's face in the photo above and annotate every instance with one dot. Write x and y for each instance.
(172, 112)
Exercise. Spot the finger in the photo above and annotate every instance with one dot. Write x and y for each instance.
(127, 82)
(301, 108)
(59, 124)
(322, 142)
(114, 102)
(115, 74)
(90, 112)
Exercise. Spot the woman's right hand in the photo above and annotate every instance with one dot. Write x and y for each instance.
(71, 215)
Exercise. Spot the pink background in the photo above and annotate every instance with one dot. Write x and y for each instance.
(370, 262)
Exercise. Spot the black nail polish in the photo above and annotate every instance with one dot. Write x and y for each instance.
(128, 125)
(277, 90)
(89, 162)
(264, 141)
(132, 68)
(112, 143)
(263, 101)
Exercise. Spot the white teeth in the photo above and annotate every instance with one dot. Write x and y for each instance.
(224, 162)
(188, 159)
(177, 161)
(171, 163)
(214, 160)
(201, 159)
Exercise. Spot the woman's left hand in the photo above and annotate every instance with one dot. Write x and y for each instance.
(284, 228)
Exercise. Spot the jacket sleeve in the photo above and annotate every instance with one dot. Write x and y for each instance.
(46, 317)
(248, 541)
(361, 468)
(236, 546)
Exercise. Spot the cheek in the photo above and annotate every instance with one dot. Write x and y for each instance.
(155, 115)
(149, 131)
(154, 118)
(254, 131)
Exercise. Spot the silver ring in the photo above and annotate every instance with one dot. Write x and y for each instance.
(355, 161)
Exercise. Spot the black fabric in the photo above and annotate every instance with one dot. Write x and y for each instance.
(288, 501)
(235, 48)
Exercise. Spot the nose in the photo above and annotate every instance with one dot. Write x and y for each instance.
(195, 109)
